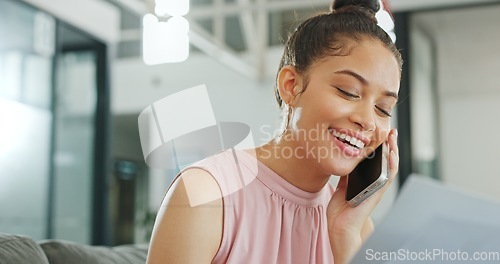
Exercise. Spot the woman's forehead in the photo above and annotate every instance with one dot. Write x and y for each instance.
(370, 60)
(366, 55)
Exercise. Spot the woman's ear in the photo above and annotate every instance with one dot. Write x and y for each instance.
(289, 84)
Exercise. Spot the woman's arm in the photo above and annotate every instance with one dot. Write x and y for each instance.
(188, 227)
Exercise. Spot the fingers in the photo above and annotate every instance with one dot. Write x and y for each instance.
(393, 153)
(392, 141)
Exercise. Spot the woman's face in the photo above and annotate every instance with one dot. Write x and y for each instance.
(348, 98)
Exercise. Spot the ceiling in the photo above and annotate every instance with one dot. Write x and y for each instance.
(239, 33)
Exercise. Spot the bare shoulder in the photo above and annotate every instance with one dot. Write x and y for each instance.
(189, 220)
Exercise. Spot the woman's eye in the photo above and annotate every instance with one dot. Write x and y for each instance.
(383, 111)
(347, 93)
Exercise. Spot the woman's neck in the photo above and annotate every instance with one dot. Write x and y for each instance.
(302, 172)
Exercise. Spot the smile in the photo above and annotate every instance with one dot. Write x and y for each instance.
(347, 139)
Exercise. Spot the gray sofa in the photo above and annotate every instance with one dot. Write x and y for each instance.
(18, 249)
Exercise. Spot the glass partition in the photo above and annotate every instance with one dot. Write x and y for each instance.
(54, 106)
(26, 119)
(424, 102)
(455, 96)
(73, 146)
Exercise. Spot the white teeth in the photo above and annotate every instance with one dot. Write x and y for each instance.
(354, 141)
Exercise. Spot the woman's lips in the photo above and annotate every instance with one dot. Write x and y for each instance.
(348, 150)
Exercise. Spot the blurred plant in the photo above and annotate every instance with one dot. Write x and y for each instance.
(147, 222)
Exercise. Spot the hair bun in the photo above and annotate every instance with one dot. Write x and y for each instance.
(341, 6)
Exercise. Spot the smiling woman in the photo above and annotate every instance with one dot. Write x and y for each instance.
(337, 83)
(343, 94)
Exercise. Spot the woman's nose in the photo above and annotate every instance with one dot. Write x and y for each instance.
(364, 117)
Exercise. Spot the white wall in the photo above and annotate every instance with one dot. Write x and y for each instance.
(233, 97)
(468, 66)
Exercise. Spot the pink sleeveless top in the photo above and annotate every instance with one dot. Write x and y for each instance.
(267, 219)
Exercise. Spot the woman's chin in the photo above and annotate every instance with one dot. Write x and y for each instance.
(340, 169)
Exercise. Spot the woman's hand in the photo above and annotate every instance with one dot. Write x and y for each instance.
(348, 226)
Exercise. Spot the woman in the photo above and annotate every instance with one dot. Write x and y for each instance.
(339, 77)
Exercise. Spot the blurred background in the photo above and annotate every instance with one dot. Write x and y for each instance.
(74, 76)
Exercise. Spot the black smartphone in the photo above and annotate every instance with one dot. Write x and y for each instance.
(368, 177)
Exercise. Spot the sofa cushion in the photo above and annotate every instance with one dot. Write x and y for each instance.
(63, 252)
(15, 249)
